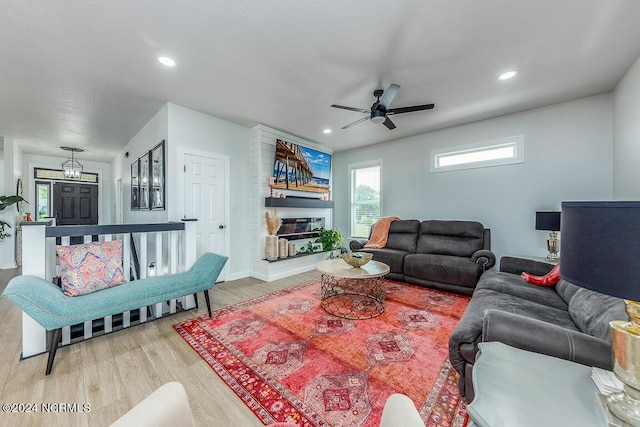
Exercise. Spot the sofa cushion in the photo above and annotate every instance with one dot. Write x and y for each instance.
(517, 265)
(458, 238)
(443, 268)
(525, 307)
(469, 329)
(514, 285)
(566, 290)
(592, 311)
(403, 235)
(392, 257)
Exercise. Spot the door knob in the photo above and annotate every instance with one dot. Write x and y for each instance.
(221, 226)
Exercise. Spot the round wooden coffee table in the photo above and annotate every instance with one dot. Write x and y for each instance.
(352, 293)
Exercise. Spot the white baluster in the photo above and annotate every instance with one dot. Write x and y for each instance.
(158, 310)
(34, 336)
(66, 335)
(108, 324)
(174, 251)
(159, 263)
(88, 329)
(190, 255)
(126, 255)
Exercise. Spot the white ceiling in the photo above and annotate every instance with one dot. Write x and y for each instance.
(85, 73)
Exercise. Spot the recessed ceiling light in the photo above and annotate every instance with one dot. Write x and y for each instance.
(326, 131)
(167, 61)
(508, 75)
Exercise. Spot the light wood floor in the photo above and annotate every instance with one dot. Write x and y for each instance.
(114, 372)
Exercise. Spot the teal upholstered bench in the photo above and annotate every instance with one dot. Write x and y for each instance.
(51, 308)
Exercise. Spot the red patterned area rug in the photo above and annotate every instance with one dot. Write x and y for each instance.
(289, 360)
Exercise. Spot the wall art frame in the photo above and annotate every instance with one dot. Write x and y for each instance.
(135, 185)
(156, 162)
(148, 180)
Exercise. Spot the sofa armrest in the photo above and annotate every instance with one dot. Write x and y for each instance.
(356, 245)
(485, 258)
(545, 338)
(517, 266)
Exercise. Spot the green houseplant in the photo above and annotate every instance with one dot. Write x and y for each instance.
(331, 240)
(5, 202)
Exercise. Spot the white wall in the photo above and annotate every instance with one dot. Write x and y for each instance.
(190, 130)
(105, 194)
(11, 171)
(4, 215)
(148, 137)
(186, 130)
(626, 136)
(2, 167)
(568, 156)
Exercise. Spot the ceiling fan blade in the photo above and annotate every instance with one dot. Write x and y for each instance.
(359, 110)
(410, 109)
(389, 124)
(389, 94)
(356, 122)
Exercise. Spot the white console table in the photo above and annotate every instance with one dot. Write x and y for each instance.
(518, 388)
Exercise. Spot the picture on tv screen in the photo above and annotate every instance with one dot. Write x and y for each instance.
(301, 168)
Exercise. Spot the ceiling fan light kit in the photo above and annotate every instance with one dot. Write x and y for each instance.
(377, 116)
(380, 109)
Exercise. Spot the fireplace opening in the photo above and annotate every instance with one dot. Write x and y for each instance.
(300, 228)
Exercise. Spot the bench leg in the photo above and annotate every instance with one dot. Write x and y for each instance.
(206, 299)
(55, 340)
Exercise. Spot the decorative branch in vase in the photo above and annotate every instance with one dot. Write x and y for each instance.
(272, 223)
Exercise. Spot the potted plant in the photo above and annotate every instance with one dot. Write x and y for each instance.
(331, 240)
(5, 202)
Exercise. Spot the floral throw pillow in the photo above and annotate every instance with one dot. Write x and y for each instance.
(90, 267)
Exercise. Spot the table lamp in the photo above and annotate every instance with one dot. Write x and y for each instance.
(601, 252)
(550, 221)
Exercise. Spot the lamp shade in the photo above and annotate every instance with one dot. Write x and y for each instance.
(601, 247)
(549, 221)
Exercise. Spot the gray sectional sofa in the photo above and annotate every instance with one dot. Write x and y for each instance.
(563, 320)
(446, 255)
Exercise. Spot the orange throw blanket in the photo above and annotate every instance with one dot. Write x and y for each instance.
(380, 232)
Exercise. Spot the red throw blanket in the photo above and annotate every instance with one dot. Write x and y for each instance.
(380, 233)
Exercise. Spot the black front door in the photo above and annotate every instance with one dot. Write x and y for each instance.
(75, 204)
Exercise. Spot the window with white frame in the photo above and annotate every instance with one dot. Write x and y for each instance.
(365, 197)
(497, 152)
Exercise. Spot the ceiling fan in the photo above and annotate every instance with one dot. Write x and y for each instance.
(380, 109)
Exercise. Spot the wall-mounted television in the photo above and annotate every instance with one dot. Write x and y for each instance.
(301, 168)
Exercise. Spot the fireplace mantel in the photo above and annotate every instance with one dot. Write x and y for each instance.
(297, 202)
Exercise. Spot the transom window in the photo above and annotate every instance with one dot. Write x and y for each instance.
(365, 197)
(504, 151)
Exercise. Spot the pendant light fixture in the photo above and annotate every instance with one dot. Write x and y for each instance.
(72, 168)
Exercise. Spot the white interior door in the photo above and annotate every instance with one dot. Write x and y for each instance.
(205, 198)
